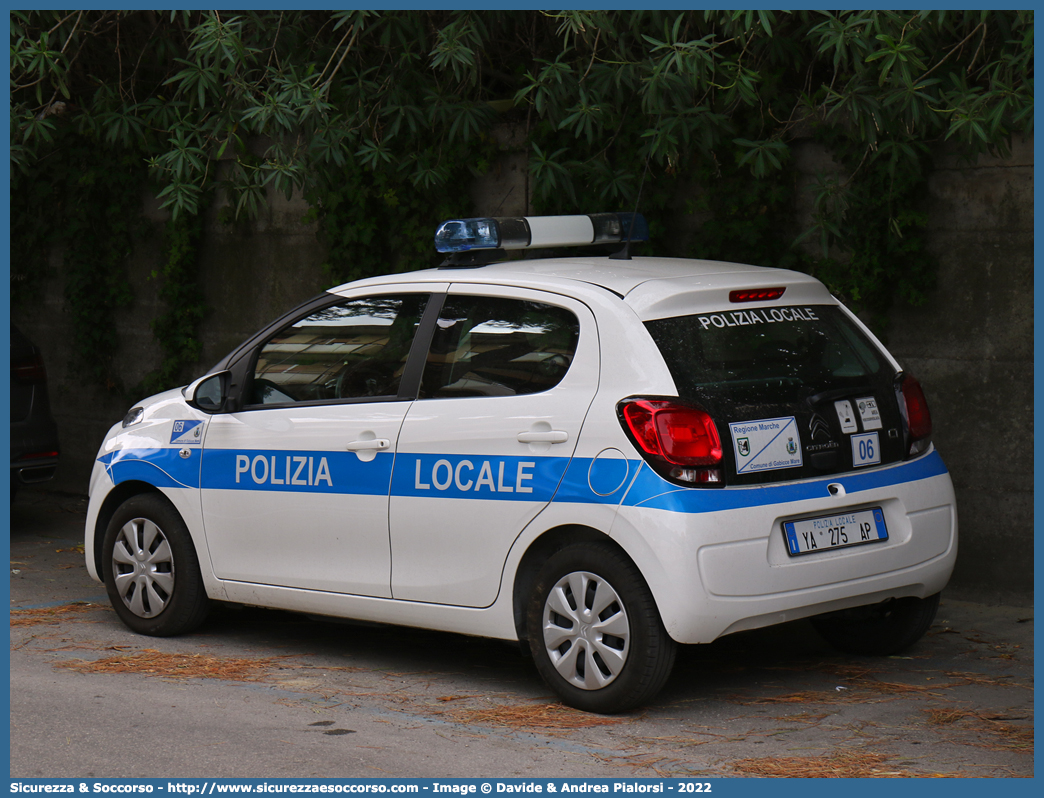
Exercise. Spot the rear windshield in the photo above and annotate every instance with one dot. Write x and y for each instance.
(812, 347)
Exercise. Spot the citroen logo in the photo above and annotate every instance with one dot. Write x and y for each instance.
(817, 426)
(819, 430)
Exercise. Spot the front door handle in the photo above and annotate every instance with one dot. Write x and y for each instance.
(550, 436)
(371, 445)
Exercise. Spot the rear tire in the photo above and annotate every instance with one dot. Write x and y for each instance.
(879, 629)
(595, 632)
(150, 568)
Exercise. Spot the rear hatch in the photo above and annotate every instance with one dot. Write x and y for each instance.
(793, 392)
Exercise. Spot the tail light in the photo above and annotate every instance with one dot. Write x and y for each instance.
(29, 369)
(918, 418)
(50, 455)
(678, 440)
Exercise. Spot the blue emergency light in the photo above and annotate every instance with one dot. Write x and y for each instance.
(528, 232)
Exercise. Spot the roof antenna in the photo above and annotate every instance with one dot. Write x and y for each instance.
(625, 252)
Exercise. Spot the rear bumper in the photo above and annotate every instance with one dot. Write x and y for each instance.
(29, 472)
(717, 562)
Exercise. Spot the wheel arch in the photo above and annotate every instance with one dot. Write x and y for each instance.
(117, 496)
(154, 584)
(538, 552)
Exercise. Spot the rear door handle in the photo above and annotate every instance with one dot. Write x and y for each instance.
(551, 436)
(372, 444)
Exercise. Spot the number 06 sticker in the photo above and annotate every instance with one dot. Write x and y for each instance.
(866, 450)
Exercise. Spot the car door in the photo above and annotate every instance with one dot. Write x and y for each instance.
(507, 382)
(295, 484)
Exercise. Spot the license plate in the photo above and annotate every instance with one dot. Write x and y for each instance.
(826, 532)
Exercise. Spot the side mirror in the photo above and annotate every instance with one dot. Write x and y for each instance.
(209, 392)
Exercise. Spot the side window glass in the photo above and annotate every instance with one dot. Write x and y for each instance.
(490, 346)
(351, 350)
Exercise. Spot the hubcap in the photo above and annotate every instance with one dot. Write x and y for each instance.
(586, 632)
(143, 567)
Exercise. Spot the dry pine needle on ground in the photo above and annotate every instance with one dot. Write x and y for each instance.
(174, 665)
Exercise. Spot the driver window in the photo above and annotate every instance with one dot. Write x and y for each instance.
(354, 349)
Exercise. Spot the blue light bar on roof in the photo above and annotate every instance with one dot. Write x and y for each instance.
(528, 232)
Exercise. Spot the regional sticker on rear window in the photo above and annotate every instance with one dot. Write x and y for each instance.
(766, 444)
(187, 432)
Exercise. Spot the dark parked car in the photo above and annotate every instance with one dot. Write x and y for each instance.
(34, 435)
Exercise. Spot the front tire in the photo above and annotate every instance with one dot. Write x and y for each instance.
(594, 630)
(150, 568)
(880, 629)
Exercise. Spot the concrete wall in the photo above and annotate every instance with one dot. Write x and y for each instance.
(971, 345)
(249, 277)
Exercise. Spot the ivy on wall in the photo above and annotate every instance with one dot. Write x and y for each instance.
(177, 327)
(382, 120)
(378, 222)
(89, 209)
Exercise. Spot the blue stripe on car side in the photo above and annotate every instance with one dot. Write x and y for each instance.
(652, 491)
(472, 476)
(296, 471)
(160, 467)
(509, 478)
(611, 477)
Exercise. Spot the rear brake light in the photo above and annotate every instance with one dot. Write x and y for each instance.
(918, 418)
(678, 440)
(29, 369)
(756, 294)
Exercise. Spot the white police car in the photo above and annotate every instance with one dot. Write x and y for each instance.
(600, 456)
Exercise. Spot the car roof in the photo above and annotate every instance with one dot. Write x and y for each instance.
(653, 287)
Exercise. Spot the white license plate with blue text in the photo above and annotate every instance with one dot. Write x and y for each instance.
(826, 532)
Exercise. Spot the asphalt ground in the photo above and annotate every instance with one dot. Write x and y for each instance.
(262, 693)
